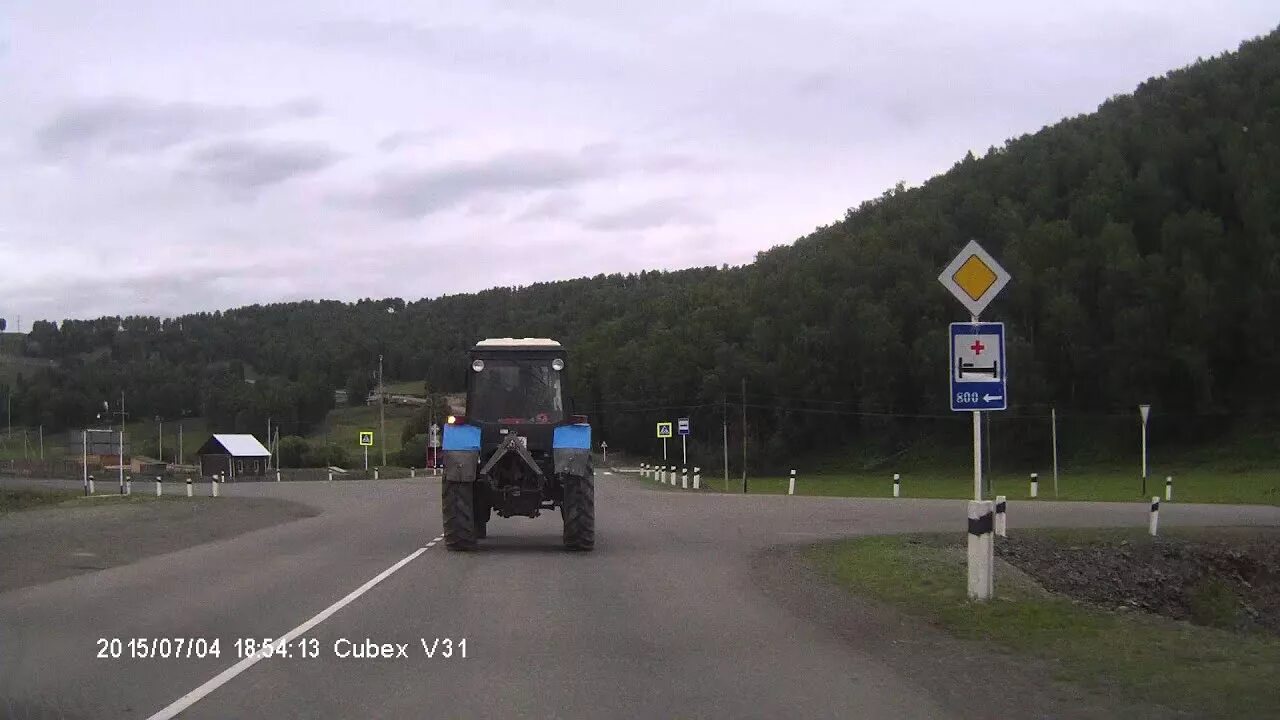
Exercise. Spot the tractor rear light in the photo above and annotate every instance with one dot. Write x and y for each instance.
(578, 419)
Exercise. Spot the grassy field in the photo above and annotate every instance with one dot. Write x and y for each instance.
(1207, 486)
(405, 387)
(343, 426)
(1205, 671)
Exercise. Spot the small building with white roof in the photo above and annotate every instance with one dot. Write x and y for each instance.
(233, 455)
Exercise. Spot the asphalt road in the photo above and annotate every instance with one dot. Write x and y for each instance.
(667, 618)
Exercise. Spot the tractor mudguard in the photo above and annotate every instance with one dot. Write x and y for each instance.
(571, 450)
(461, 465)
(461, 452)
(572, 461)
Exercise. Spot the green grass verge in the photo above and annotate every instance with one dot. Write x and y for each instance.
(1209, 672)
(1199, 487)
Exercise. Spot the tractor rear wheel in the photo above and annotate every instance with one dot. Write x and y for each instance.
(579, 512)
(457, 502)
(482, 513)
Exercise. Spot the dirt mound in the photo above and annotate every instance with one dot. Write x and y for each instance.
(1228, 579)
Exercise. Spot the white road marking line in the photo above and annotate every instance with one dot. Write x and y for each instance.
(223, 677)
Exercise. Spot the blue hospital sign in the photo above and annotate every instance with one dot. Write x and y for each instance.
(978, 367)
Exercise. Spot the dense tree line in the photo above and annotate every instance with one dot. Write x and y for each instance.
(1142, 239)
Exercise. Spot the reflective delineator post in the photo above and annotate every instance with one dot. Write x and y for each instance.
(277, 476)
(1168, 487)
(897, 485)
(190, 490)
(1002, 521)
(128, 485)
(1154, 523)
(90, 484)
(1035, 485)
(158, 490)
(791, 483)
(684, 477)
(213, 486)
(375, 473)
(981, 550)
(330, 477)
(671, 472)
(697, 477)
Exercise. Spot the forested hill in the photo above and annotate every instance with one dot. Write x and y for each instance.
(1143, 242)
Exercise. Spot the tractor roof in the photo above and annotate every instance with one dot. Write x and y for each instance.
(530, 343)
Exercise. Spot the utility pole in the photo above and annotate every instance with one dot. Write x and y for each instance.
(179, 442)
(725, 427)
(382, 415)
(744, 435)
(42, 442)
(160, 438)
(269, 442)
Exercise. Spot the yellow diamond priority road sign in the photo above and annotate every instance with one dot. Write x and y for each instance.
(974, 277)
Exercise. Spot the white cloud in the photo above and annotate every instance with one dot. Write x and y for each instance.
(391, 148)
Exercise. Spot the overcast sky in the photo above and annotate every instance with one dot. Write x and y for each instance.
(163, 157)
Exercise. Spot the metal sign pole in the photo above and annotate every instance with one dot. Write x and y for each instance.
(366, 457)
(1053, 419)
(977, 446)
(1144, 411)
(664, 450)
(684, 450)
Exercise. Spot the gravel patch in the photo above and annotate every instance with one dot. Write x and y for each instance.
(1228, 578)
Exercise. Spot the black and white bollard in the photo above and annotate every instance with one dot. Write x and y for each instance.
(1035, 485)
(897, 485)
(413, 473)
(791, 483)
(277, 476)
(1002, 526)
(159, 492)
(684, 477)
(90, 484)
(981, 550)
(330, 477)
(375, 473)
(190, 492)
(213, 486)
(697, 477)
(1168, 487)
(128, 485)
(1153, 524)
(671, 473)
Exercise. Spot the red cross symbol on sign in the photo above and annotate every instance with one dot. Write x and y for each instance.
(977, 347)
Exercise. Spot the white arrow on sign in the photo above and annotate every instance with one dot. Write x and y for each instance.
(989, 398)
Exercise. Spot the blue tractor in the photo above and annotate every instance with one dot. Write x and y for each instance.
(517, 451)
